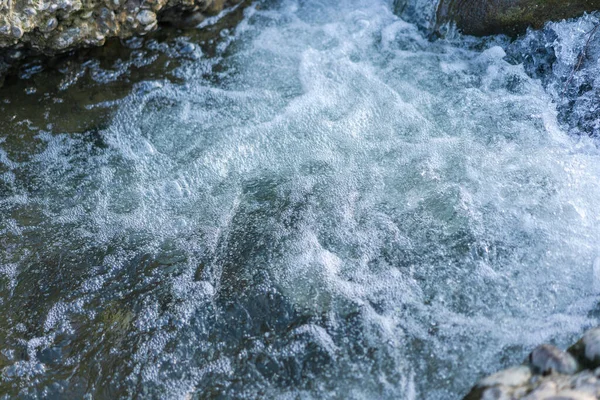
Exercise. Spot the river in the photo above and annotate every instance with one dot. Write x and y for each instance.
(325, 204)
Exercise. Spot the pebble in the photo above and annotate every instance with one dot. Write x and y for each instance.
(17, 32)
(146, 17)
(187, 48)
(546, 359)
(50, 25)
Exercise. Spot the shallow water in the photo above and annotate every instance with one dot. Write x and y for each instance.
(329, 206)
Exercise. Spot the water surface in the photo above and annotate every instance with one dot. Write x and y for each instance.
(328, 206)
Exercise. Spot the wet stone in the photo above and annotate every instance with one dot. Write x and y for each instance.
(146, 17)
(546, 359)
(591, 341)
(515, 376)
(543, 391)
(17, 32)
(50, 25)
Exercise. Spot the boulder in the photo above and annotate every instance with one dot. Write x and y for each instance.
(488, 17)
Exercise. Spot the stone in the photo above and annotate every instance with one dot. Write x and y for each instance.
(488, 17)
(510, 17)
(560, 375)
(545, 390)
(515, 376)
(546, 359)
(17, 32)
(571, 395)
(50, 25)
(146, 17)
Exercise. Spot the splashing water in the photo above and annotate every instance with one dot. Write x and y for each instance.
(341, 208)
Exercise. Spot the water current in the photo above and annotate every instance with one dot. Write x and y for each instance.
(325, 205)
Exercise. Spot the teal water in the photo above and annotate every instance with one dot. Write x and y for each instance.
(329, 206)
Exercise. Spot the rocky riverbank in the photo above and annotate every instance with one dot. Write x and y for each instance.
(548, 373)
(57, 26)
(32, 27)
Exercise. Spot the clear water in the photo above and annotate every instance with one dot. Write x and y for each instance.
(331, 206)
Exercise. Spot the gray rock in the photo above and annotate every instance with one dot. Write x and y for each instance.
(146, 17)
(515, 376)
(559, 379)
(546, 359)
(50, 25)
(571, 395)
(591, 342)
(545, 390)
(16, 32)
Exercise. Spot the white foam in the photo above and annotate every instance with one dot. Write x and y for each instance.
(410, 185)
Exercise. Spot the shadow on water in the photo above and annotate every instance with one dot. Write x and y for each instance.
(74, 93)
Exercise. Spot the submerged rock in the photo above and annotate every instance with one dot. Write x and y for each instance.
(53, 27)
(488, 17)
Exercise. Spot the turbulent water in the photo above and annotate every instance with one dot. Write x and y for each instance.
(330, 206)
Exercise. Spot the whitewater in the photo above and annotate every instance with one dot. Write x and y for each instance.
(333, 205)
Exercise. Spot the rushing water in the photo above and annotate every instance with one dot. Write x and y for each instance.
(329, 206)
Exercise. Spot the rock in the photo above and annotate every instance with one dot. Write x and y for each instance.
(146, 17)
(515, 376)
(571, 395)
(17, 32)
(546, 359)
(487, 17)
(52, 27)
(501, 384)
(545, 390)
(560, 378)
(496, 393)
(587, 350)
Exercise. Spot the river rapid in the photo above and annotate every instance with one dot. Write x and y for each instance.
(328, 205)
